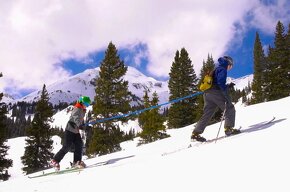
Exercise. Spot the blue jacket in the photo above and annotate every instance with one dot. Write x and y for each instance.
(220, 75)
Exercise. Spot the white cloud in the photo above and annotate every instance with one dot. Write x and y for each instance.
(266, 16)
(36, 35)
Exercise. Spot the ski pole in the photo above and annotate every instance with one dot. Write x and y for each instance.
(223, 117)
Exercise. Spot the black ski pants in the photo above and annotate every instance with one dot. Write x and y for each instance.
(70, 139)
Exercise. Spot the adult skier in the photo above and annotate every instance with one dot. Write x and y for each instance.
(72, 135)
(217, 96)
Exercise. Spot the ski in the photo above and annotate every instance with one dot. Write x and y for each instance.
(68, 170)
(240, 128)
(197, 144)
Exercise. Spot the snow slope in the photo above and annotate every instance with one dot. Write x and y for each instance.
(256, 160)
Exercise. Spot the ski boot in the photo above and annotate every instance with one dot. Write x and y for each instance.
(55, 165)
(197, 137)
(231, 131)
(78, 165)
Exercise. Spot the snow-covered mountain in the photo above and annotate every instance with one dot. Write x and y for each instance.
(7, 99)
(241, 82)
(256, 160)
(68, 90)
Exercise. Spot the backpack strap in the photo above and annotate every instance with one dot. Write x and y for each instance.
(212, 72)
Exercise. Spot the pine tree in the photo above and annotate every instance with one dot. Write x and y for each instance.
(277, 82)
(4, 162)
(145, 115)
(182, 82)
(207, 67)
(112, 98)
(259, 67)
(39, 143)
(287, 42)
(268, 75)
(151, 121)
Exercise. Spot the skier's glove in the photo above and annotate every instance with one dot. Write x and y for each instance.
(82, 127)
(231, 85)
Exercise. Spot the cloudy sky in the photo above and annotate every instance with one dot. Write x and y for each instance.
(46, 40)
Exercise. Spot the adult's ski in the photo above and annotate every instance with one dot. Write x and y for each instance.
(239, 134)
(196, 143)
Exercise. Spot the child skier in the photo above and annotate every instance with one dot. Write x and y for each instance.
(72, 135)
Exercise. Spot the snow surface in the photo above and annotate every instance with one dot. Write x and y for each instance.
(256, 160)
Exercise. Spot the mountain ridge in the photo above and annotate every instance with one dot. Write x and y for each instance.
(68, 90)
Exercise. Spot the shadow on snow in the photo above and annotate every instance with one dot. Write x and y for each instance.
(111, 161)
(263, 125)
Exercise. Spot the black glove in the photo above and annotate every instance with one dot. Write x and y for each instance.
(82, 127)
(231, 85)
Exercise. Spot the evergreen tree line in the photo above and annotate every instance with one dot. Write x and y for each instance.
(272, 71)
(21, 118)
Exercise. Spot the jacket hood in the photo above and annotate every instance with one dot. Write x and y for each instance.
(79, 105)
(223, 62)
